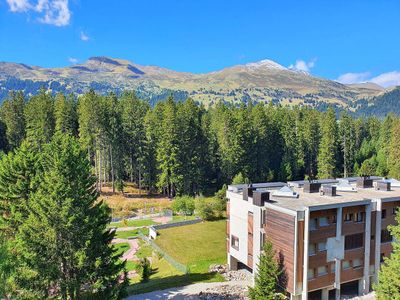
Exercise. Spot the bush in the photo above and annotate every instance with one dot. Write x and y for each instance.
(119, 184)
(183, 205)
(239, 179)
(204, 209)
(219, 201)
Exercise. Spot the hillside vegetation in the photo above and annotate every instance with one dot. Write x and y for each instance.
(180, 148)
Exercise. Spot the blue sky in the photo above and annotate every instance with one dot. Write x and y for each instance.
(351, 40)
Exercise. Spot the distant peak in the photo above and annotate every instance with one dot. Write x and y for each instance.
(106, 60)
(266, 63)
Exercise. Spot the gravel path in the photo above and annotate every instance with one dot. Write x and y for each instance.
(189, 292)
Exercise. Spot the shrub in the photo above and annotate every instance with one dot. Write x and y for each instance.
(183, 205)
(204, 209)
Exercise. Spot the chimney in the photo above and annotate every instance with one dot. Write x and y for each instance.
(329, 190)
(311, 187)
(383, 185)
(259, 197)
(364, 182)
(248, 192)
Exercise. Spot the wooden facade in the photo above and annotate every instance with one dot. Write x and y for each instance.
(280, 229)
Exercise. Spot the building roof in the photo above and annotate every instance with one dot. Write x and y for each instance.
(316, 201)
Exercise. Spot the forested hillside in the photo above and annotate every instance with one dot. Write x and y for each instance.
(183, 148)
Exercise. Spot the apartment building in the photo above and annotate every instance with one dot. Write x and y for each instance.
(330, 235)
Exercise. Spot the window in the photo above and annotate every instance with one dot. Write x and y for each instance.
(385, 236)
(311, 249)
(353, 241)
(383, 216)
(382, 257)
(323, 221)
(345, 264)
(333, 268)
(360, 217)
(348, 217)
(310, 274)
(235, 242)
(334, 219)
(313, 224)
(321, 246)
(372, 237)
(322, 270)
(357, 263)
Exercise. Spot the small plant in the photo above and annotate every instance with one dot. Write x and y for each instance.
(119, 184)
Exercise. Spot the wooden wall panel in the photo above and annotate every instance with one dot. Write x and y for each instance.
(300, 250)
(250, 225)
(280, 229)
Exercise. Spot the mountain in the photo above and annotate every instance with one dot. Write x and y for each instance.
(261, 81)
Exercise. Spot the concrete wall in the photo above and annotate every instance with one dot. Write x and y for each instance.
(153, 229)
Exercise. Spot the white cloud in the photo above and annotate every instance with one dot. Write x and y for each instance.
(72, 60)
(303, 66)
(384, 79)
(19, 5)
(53, 12)
(84, 36)
(387, 79)
(349, 78)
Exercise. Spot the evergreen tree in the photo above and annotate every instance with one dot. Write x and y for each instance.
(66, 118)
(168, 151)
(394, 150)
(346, 138)
(12, 114)
(65, 240)
(388, 286)
(266, 282)
(39, 115)
(327, 157)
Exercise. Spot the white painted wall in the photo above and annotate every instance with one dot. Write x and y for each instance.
(238, 211)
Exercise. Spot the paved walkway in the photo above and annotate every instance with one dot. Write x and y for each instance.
(188, 292)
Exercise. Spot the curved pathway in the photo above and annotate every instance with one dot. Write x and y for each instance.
(134, 247)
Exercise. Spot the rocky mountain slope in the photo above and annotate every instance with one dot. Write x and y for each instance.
(261, 81)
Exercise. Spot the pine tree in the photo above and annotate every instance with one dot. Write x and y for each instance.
(346, 138)
(394, 150)
(12, 114)
(168, 151)
(65, 240)
(388, 286)
(266, 282)
(328, 149)
(66, 118)
(39, 115)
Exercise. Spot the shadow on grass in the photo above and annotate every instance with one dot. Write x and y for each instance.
(172, 281)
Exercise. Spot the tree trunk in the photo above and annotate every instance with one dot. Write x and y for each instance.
(112, 170)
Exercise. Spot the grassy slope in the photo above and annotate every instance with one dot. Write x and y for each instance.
(197, 245)
(131, 233)
(133, 223)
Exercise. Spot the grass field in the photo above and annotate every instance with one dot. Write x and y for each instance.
(133, 223)
(121, 248)
(131, 233)
(197, 245)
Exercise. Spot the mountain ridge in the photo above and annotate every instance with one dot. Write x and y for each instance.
(262, 81)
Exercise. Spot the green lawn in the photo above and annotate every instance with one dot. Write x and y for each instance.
(145, 250)
(197, 245)
(122, 248)
(133, 223)
(181, 218)
(131, 233)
